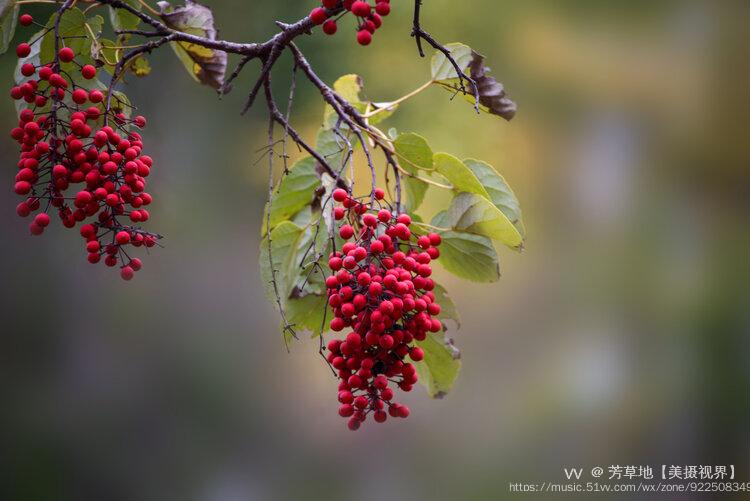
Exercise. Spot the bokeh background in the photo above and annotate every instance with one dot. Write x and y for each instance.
(620, 336)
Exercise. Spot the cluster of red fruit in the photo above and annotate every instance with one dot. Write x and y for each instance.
(381, 289)
(64, 142)
(369, 17)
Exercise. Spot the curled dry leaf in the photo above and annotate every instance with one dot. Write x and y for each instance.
(207, 66)
(492, 94)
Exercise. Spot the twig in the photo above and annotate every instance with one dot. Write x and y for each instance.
(287, 328)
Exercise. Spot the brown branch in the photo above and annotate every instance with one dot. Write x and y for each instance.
(420, 34)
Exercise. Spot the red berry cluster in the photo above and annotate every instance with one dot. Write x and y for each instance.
(64, 142)
(369, 17)
(381, 289)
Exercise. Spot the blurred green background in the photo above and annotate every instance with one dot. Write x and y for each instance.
(620, 336)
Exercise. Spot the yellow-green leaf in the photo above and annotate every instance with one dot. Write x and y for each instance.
(476, 214)
(458, 174)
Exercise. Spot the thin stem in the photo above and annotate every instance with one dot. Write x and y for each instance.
(288, 328)
(149, 8)
(400, 100)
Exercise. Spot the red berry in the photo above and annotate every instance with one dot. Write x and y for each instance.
(23, 209)
(416, 354)
(361, 9)
(96, 96)
(127, 273)
(45, 72)
(318, 15)
(123, 237)
(56, 80)
(22, 187)
(25, 20)
(88, 71)
(376, 19)
(42, 220)
(346, 410)
(27, 69)
(346, 232)
(80, 96)
(88, 230)
(403, 411)
(330, 27)
(404, 219)
(23, 49)
(383, 8)
(364, 37)
(66, 54)
(340, 195)
(379, 194)
(370, 220)
(353, 424)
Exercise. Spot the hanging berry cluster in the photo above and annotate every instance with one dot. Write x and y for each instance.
(66, 141)
(369, 17)
(381, 289)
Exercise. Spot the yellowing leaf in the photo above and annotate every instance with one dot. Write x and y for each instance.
(476, 214)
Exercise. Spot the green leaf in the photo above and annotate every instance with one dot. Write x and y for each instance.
(441, 365)
(8, 20)
(284, 239)
(205, 65)
(96, 23)
(448, 310)
(415, 191)
(312, 246)
(475, 214)
(295, 190)
(121, 19)
(334, 149)
(469, 256)
(32, 58)
(458, 174)
(121, 103)
(72, 29)
(103, 53)
(413, 152)
(307, 313)
(440, 220)
(499, 191)
(443, 69)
